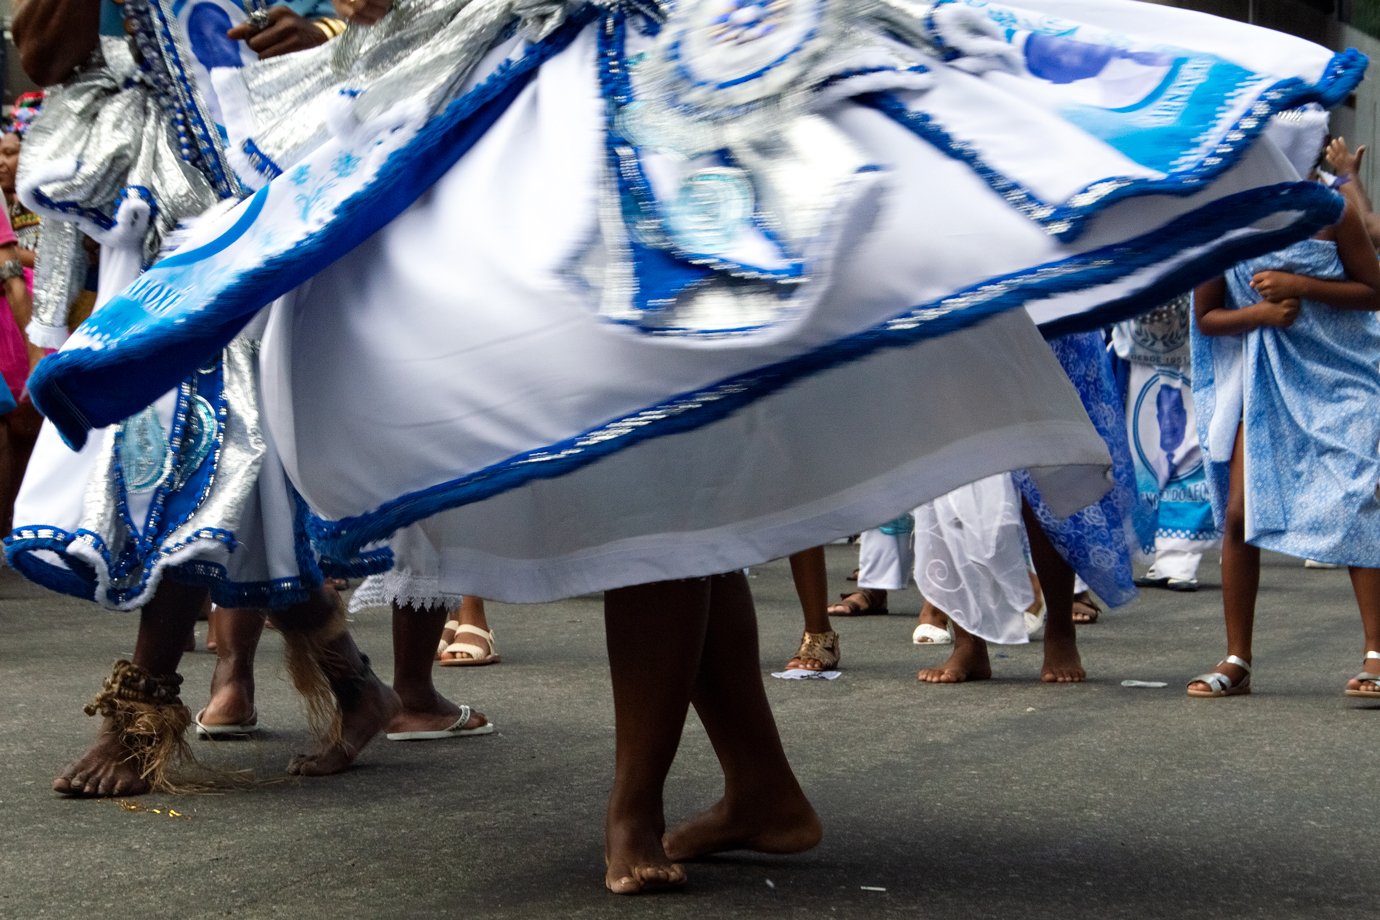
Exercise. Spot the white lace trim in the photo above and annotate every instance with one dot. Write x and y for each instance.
(404, 589)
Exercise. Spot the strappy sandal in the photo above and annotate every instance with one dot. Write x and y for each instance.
(863, 602)
(1220, 684)
(821, 648)
(1090, 611)
(452, 627)
(478, 654)
(1365, 677)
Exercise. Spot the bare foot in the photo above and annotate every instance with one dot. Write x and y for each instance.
(376, 707)
(435, 715)
(232, 696)
(1062, 662)
(635, 859)
(967, 662)
(766, 824)
(107, 769)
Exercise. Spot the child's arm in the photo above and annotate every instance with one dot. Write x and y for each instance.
(1214, 318)
(1346, 165)
(1360, 290)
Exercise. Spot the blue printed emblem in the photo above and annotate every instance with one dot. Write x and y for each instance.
(144, 456)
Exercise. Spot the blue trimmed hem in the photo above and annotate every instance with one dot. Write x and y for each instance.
(342, 539)
(1066, 221)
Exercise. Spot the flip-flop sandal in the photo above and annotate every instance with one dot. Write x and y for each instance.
(225, 732)
(457, 729)
(872, 603)
(479, 655)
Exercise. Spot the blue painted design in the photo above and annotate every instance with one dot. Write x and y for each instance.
(143, 451)
(1068, 220)
(207, 24)
(201, 435)
(714, 207)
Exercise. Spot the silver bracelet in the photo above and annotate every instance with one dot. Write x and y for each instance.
(11, 268)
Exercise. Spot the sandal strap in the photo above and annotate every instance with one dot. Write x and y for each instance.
(1372, 655)
(1237, 660)
(1366, 677)
(1216, 681)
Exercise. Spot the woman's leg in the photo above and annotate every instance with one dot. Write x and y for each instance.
(424, 709)
(655, 635)
(819, 647)
(237, 633)
(1366, 584)
(1240, 571)
(1062, 664)
(763, 807)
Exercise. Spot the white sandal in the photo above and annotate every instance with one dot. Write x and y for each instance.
(452, 627)
(478, 654)
(1220, 684)
(1366, 677)
(929, 634)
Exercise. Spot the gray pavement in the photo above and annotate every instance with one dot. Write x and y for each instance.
(1001, 799)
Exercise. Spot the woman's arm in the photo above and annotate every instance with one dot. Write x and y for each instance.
(1360, 290)
(55, 37)
(1214, 317)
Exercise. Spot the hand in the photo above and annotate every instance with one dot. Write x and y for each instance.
(1279, 313)
(1271, 285)
(285, 33)
(365, 12)
(1341, 161)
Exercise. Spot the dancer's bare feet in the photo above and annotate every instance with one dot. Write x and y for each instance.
(431, 715)
(967, 662)
(635, 860)
(1062, 664)
(767, 824)
(376, 706)
(107, 769)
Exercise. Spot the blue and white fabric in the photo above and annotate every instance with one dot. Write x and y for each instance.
(594, 247)
(1306, 400)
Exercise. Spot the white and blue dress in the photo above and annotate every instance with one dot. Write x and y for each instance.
(577, 288)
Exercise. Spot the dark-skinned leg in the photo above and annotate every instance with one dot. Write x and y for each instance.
(811, 579)
(1240, 571)
(316, 628)
(967, 662)
(236, 632)
(1366, 584)
(1062, 664)
(109, 767)
(424, 709)
(655, 635)
(763, 807)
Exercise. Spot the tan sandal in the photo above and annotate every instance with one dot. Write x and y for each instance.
(820, 648)
(478, 654)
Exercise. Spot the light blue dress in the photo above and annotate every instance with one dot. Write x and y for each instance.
(1309, 396)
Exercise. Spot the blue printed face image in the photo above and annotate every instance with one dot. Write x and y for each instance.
(1173, 419)
(206, 27)
(1064, 60)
